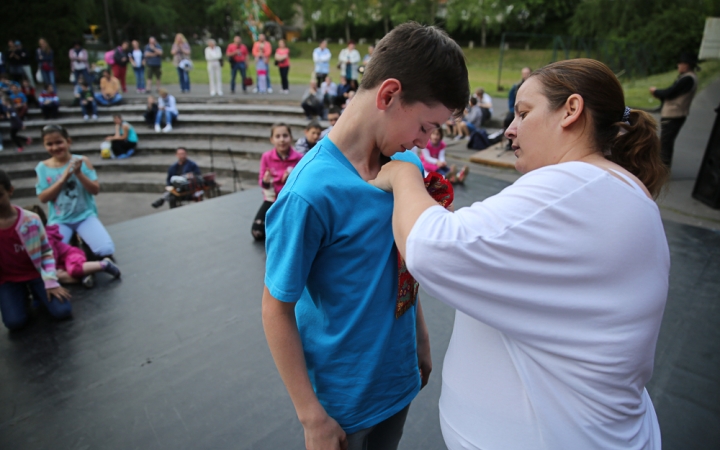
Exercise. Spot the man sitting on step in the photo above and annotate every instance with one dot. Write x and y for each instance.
(181, 169)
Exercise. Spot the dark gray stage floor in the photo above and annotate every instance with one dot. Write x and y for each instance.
(174, 356)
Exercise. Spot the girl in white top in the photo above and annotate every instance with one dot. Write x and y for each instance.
(559, 281)
(213, 55)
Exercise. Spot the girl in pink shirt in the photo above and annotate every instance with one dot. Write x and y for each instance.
(275, 167)
(433, 159)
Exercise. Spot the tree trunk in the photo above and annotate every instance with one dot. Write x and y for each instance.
(483, 33)
(347, 29)
(107, 23)
(314, 31)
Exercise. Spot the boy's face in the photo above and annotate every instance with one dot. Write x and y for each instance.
(5, 197)
(332, 118)
(312, 135)
(409, 125)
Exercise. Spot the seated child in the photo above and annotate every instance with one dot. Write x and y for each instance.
(151, 111)
(29, 92)
(86, 98)
(312, 136)
(16, 124)
(49, 102)
(26, 264)
(262, 69)
(433, 155)
(275, 167)
(19, 101)
(71, 263)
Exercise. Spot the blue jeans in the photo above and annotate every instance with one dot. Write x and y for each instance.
(234, 70)
(48, 77)
(105, 102)
(85, 74)
(139, 77)
(184, 77)
(12, 302)
(89, 108)
(169, 117)
(92, 232)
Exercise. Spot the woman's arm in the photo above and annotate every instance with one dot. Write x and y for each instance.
(92, 186)
(411, 198)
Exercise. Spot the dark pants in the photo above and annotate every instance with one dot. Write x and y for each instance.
(383, 436)
(238, 67)
(320, 78)
(284, 77)
(312, 109)
(89, 107)
(485, 116)
(85, 74)
(258, 226)
(14, 308)
(18, 139)
(121, 147)
(50, 111)
(669, 129)
(150, 115)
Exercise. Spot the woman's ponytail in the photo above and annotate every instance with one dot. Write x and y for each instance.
(637, 149)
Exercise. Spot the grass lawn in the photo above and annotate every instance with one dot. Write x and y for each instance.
(482, 71)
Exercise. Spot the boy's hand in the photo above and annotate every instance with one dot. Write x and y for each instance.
(424, 361)
(325, 435)
(58, 292)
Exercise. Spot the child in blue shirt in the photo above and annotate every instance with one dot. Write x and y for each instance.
(350, 364)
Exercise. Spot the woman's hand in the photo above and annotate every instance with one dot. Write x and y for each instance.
(58, 292)
(389, 171)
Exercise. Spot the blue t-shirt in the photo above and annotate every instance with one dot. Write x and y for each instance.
(153, 60)
(330, 248)
(74, 203)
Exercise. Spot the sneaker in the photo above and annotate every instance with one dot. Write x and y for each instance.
(157, 128)
(94, 117)
(458, 137)
(254, 90)
(88, 281)
(167, 128)
(269, 91)
(158, 203)
(463, 174)
(86, 117)
(111, 268)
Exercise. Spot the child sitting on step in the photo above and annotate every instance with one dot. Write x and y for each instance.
(275, 167)
(26, 264)
(70, 262)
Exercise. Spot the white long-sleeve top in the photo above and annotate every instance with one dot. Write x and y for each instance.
(213, 54)
(560, 282)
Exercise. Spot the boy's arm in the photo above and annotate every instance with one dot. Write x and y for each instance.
(423, 346)
(321, 430)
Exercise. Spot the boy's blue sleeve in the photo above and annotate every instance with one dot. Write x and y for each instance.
(294, 233)
(410, 157)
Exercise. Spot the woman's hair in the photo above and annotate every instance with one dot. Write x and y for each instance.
(280, 125)
(50, 129)
(182, 38)
(634, 145)
(5, 180)
(40, 212)
(47, 46)
(119, 116)
(209, 41)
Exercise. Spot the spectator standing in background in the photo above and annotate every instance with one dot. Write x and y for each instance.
(121, 58)
(49, 102)
(46, 61)
(153, 62)
(349, 60)
(19, 64)
(137, 59)
(282, 60)
(321, 58)
(263, 48)
(676, 105)
(213, 56)
(181, 51)
(237, 54)
(79, 62)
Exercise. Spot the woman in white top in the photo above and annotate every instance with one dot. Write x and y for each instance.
(559, 281)
(137, 58)
(213, 55)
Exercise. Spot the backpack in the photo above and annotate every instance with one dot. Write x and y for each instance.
(478, 140)
(110, 57)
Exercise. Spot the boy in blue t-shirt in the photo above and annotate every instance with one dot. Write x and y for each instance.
(352, 350)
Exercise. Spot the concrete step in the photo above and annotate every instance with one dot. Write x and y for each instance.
(133, 182)
(221, 164)
(185, 109)
(166, 145)
(104, 124)
(179, 134)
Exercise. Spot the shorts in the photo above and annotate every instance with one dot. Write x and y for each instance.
(154, 71)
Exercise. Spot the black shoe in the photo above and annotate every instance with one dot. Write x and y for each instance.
(158, 203)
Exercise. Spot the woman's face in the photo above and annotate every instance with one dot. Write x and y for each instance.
(281, 138)
(535, 132)
(281, 43)
(56, 144)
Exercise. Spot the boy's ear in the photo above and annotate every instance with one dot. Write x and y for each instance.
(388, 92)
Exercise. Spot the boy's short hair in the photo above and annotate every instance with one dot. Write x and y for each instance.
(313, 124)
(334, 110)
(5, 180)
(473, 101)
(428, 63)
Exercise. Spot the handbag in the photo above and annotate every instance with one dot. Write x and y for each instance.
(38, 76)
(248, 81)
(277, 63)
